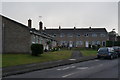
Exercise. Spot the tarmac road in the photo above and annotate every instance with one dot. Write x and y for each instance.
(98, 68)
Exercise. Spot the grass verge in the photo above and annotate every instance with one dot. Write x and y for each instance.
(0, 60)
(89, 52)
(19, 59)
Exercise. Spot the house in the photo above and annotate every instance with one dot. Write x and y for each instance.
(17, 37)
(79, 37)
(112, 36)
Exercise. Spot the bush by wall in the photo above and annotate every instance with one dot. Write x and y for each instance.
(112, 43)
(56, 48)
(93, 47)
(109, 43)
(37, 49)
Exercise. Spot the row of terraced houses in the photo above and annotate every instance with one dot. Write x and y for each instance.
(17, 37)
(79, 37)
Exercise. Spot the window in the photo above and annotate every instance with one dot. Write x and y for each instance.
(103, 43)
(40, 40)
(102, 35)
(78, 35)
(79, 43)
(61, 42)
(54, 35)
(93, 42)
(33, 39)
(37, 39)
(98, 42)
(94, 35)
(70, 35)
(62, 35)
(86, 35)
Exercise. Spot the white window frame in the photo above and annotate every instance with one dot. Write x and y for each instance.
(62, 35)
(86, 35)
(33, 39)
(94, 35)
(70, 35)
(102, 35)
(78, 35)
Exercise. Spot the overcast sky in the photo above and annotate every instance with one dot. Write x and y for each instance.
(65, 14)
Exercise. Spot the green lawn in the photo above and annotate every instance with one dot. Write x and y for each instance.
(18, 59)
(0, 60)
(89, 52)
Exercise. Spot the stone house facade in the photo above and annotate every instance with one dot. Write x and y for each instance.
(79, 37)
(17, 38)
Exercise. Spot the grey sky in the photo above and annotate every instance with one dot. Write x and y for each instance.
(66, 14)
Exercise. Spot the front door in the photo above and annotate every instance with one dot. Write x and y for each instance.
(87, 44)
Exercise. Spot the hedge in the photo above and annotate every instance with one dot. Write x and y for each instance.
(37, 49)
(112, 43)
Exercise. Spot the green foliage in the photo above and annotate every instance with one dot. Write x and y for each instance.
(48, 42)
(93, 47)
(117, 43)
(109, 43)
(89, 46)
(19, 59)
(98, 46)
(36, 49)
(112, 43)
(89, 52)
(55, 48)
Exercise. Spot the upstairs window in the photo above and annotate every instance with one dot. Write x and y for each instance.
(62, 35)
(86, 35)
(54, 35)
(94, 35)
(78, 35)
(70, 35)
(102, 35)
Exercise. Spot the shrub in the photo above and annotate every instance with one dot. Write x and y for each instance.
(36, 49)
(56, 49)
(98, 46)
(89, 45)
(93, 47)
(112, 43)
(45, 50)
(109, 43)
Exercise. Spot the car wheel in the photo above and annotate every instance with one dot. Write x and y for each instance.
(98, 57)
(116, 56)
(111, 57)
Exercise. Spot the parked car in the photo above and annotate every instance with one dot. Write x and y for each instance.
(117, 50)
(106, 52)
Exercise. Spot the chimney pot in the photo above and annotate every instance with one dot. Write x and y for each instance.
(74, 28)
(59, 27)
(30, 23)
(40, 25)
(44, 28)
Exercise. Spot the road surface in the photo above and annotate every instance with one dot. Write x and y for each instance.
(98, 68)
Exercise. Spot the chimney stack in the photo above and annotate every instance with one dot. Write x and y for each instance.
(90, 28)
(30, 23)
(40, 25)
(59, 27)
(74, 28)
(44, 28)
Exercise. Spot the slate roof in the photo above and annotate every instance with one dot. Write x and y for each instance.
(82, 30)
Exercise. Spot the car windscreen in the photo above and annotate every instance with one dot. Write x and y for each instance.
(116, 48)
(103, 50)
